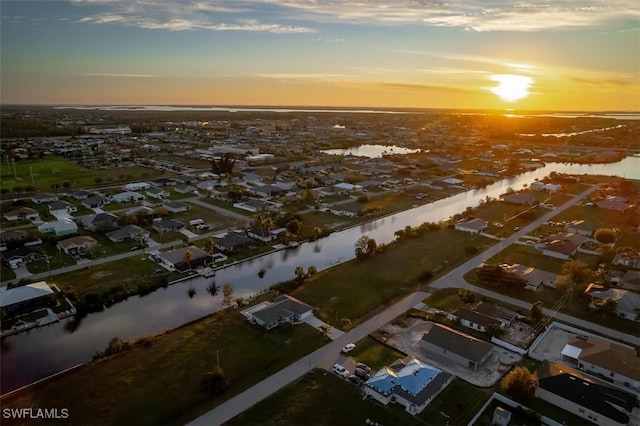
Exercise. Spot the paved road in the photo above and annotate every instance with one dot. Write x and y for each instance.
(325, 356)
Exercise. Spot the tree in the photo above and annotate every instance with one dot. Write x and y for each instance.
(605, 235)
(574, 273)
(325, 330)
(365, 247)
(224, 165)
(317, 231)
(299, 273)
(536, 312)
(607, 306)
(188, 258)
(466, 296)
(210, 245)
(214, 383)
(294, 226)
(227, 295)
(520, 384)
(311, 271)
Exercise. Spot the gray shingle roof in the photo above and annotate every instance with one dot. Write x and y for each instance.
(465, 346)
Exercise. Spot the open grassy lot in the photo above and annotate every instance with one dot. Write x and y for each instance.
(98, 278)
(56, 171)
(160, 384)
(375, 354)
(456, 405)
(57, 259)
(529, 256)
(326, 221)
(210, 217)
(322, 398)
(360, 287)
(600, 217)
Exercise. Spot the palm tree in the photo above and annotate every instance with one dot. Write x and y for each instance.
(188, 258)
(210, 245)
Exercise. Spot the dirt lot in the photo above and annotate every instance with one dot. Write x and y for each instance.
(406, 336)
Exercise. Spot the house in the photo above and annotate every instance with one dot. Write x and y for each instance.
(184, 189)
(129, 232)
(581, 227)
(12, 237)
(561, 249)
(284, 308)
(501, 416)
(59, 227)
(631, 280)
(520, 198)
(352, 209)
(268, 190)
(255, 205)
(576, 393)
(20, 256)
(100, 222)
(252, 179)
(44, 198)
(535, 277)
(452, 181)
(457, 347)
(233, 242)
(157, 193)
(127, 197)
(137, 186)
(541, 186)
(600, 357)
(94, 202)
(408, 382)
(162, 182)
(79, 194)
(61, 209)
(78, 245)
(26, 298)
(185, 179)
(473, 226)
(177, 259)
(344, 187)
(482, 316)
(261, 234)
(167, 225)
(23, 213)
(175, 206)
(628, 302)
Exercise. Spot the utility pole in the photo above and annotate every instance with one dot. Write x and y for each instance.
(218, 357)
(31, 173)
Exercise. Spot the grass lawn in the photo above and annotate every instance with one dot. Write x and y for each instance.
(126, 272)
(6, 273)
(445, 299)
(361, 287)
(57, 259)
(326, 221)
(459, 402)
(334, 198)
(375, 354)
(322, 398)
(56, 171)
(600, 217)
(225, 205)
(210, 217)
(161, 384)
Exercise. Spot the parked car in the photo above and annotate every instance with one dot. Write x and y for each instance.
(361, 373)
(363, 366)
(348, 348)
(340, 370)
(356, 380)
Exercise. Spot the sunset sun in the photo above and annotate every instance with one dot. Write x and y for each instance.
(511, 88)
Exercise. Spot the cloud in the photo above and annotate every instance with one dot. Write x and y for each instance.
(117, 75)
(474, 15)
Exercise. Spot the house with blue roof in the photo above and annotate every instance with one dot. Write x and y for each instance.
(409, 382)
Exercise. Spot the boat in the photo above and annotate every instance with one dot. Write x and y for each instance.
(207, 272)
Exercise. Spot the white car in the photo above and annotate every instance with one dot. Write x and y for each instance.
(340, 370)
(348, 348)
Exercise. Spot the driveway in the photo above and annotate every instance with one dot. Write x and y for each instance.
(188, 233)
(22, 272)
(316, 323)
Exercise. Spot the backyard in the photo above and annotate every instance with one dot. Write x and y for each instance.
(128, 389)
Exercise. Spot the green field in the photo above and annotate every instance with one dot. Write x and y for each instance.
(322, 398)
(160, 384)
(56, 171)
(359, 288)
(375, 354)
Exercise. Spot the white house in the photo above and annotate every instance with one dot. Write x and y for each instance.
(136, 186)
(59, 227)
(175, 206)
(127, 197)
(44, 198)
(23, 212)
(64, 208)
(473, 226)
(283, 309)
(157, 193)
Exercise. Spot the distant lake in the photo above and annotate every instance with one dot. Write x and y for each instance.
(371, 151)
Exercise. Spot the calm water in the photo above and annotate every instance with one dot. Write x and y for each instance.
(30, 356)
(371, 151)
